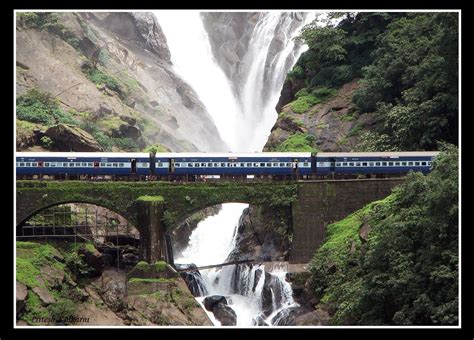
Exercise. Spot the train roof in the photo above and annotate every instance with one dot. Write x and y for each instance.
(84, 154)
(379, 154)
(234, 154)
(164, 154)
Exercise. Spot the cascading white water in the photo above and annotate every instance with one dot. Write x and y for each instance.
(244, 121)
(192, 59)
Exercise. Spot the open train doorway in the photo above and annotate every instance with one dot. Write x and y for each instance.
(133, 168)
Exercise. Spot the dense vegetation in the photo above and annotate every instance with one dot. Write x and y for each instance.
(406, 272)
(408, 65)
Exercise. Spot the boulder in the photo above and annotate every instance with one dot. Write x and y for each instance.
(44, 295)
(225, 314)
(260, 321)
(364, 232)
(211, 302)
(319, 317)
(21, 294)
(71, 138)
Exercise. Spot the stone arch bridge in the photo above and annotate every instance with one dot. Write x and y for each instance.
(154, 207)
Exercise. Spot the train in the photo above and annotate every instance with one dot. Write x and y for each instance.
(189, 166)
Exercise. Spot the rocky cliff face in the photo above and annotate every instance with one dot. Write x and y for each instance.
(230, 35)
(112, 71)
(334, 122)
(263, 234)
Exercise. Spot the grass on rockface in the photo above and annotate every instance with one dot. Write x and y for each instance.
(147, 198)
(30, 258)
(340, 235)
(299, 142)
(306, 98)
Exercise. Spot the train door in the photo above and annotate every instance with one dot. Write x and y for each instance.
(294, 166)
(172, 167)
(133, 168)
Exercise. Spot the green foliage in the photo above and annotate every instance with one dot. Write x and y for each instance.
(26, 272)
(34, 309)
(63, 310)
(160, 266)
(304, 103)
(297, 142)
(76, 264)
(155, 148)
(142, 265)
(407, 272)
(125, 144)
(297, 72)
(355, 130)
(146, 198)
(413, 82)
(40, 107)
(99, 77)
(50, 22)
(46, 142)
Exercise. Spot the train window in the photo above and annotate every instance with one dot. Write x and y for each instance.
(269, 165)
(364, 163)
(190, 165)
(371, 163)
(404, 163)
(262, 164)
(275, 164)
(89, 164)
(203, 165)
(410, 163)
(417, 163)
(423, 163)
(377, 163)
(121, 165)
(102, 164)
(22, 164)
(34, 164)
(344, 164)
(351, 164)
(84, 164)
(305, 164)
(159, 165)
(196, 165)
(71, 165)
(338, 164)
(27, 164)
(45, 164)
(384, 163)
(390, 163)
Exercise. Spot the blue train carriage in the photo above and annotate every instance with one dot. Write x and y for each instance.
(265, 163)
(374, 162)
(82, 163)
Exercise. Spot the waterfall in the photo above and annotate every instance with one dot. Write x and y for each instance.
(243, 112)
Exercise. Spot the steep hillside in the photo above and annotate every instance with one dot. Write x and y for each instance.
(109, 78)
